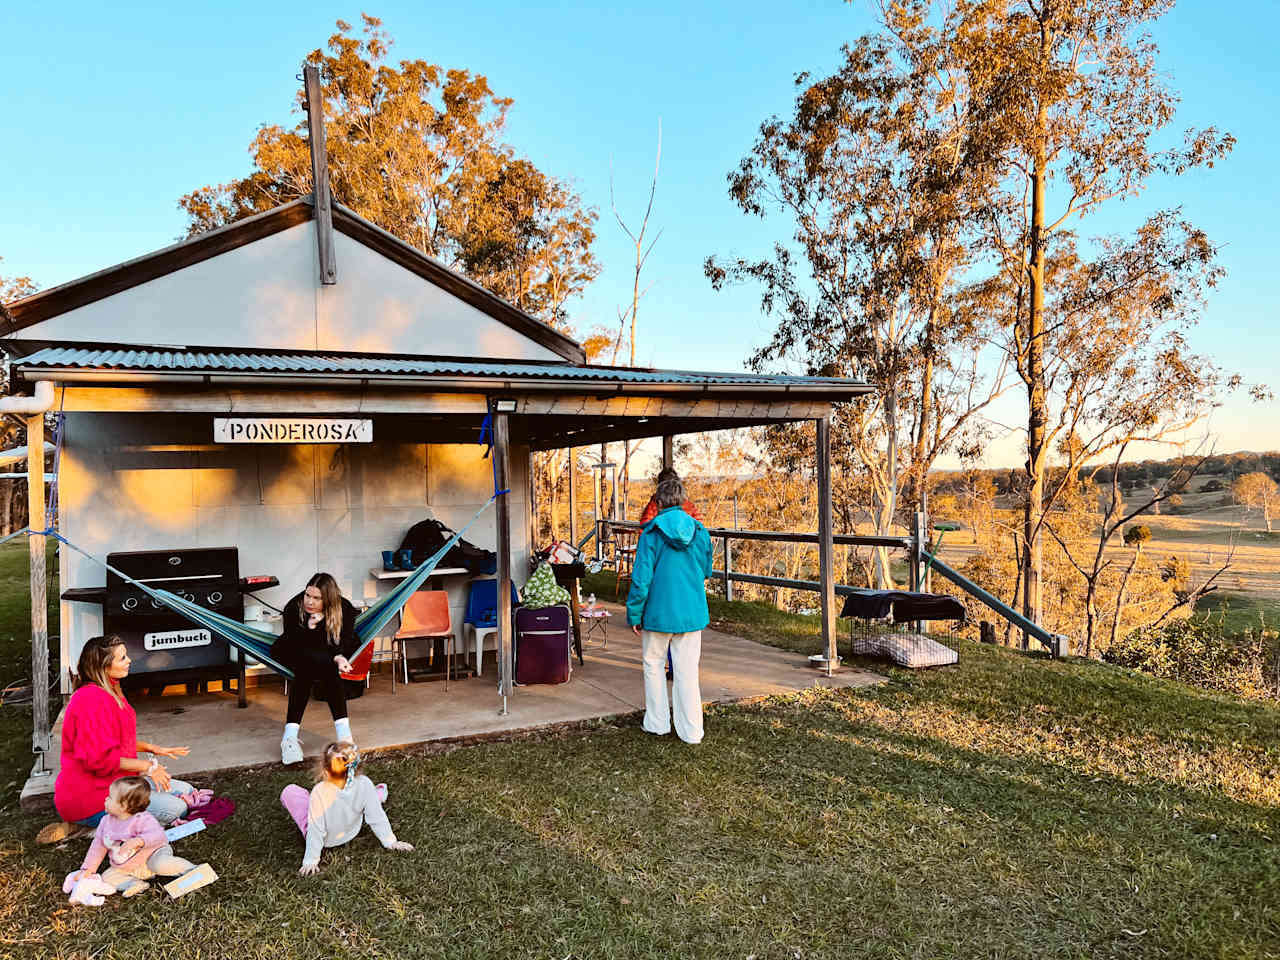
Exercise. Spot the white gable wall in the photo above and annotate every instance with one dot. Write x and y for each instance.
(377, 306)
(267, 295)
(259, 295)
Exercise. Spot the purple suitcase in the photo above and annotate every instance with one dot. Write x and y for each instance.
(543, 638)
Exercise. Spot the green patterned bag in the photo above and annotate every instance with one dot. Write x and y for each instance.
(542, 589)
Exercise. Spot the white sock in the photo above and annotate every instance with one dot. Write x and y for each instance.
(291, 731)
(343, 728)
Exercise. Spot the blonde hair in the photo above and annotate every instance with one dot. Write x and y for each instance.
(330, 605)
(96, 657)
(340, 748)
(132, 793)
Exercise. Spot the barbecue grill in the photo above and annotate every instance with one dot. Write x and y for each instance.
(165, 647)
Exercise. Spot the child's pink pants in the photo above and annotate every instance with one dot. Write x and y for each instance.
(296, 801)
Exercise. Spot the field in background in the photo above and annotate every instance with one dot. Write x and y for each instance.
(1203, 530)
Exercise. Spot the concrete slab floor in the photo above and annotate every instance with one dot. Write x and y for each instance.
(222, 736)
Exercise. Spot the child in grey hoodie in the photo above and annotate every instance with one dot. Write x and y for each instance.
(339, 804)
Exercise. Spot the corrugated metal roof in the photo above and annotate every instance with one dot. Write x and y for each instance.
(251, 362)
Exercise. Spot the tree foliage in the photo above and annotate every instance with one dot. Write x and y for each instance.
(13, 430)
(15, 288)
(1137, 535)
(1257, 490)
(870, 175)
(417, 149)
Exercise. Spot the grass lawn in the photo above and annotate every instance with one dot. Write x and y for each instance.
(1008, 807)
(1240, 612)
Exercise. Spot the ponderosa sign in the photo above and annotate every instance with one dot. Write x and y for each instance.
(287, 430)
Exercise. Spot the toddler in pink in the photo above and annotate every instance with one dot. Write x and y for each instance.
(131, 840)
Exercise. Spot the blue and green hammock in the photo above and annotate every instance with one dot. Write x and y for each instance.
(257, 643)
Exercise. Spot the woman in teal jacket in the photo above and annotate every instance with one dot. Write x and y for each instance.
(667, 609)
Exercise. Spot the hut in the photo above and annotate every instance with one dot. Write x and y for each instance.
(302, 386)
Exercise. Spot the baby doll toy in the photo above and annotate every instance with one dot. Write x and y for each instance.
(87, 889)
(134, 845)
(340, 803)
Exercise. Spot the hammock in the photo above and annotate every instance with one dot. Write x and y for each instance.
(257, 643)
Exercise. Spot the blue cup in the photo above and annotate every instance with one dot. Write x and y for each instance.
(389, 560)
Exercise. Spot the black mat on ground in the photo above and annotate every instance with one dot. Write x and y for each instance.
(904, 604)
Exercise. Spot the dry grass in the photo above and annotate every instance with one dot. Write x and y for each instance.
(1008, 807)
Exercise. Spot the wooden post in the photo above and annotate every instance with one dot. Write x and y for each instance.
(501, 471)
(728, 569)
(573, 500)
(917, 559)
(40, 740)
(926, 581)
(320, 175)
(826, 559)
(597, 478)
(913, 565)
(668, 451)
(531, 504)
(728, 554)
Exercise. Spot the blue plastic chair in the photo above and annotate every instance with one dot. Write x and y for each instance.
(481, 618)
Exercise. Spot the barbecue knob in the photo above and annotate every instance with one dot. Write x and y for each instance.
(130, 603)
(215, 597)
(156, 604)
(188, 596)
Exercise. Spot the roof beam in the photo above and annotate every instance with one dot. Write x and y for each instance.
(248, 401)
(700, 406)
(542, 436)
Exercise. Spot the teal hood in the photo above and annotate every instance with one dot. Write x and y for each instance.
(675, 526)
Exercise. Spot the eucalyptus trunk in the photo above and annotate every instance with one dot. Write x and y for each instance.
(1037, 398)
(1120, 600)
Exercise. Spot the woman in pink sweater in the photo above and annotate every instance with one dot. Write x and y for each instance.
(100, 743)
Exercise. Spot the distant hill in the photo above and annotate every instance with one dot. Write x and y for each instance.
(1223, 466)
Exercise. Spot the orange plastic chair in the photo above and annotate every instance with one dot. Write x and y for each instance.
(361, 666)
(425, 616)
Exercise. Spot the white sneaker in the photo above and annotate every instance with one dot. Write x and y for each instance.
(290, 751)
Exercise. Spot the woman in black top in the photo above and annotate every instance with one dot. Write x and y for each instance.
(319, 636)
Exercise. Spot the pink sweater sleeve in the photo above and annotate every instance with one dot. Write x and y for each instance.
(97, 851)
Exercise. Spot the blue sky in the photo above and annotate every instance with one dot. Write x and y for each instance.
(113, 113)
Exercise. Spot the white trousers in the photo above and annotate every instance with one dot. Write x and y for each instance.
(686, 695)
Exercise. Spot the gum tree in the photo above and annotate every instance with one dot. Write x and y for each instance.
(418, 150)
(871, 178)
(1067, 101)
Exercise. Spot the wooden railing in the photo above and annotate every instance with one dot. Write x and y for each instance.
(914, 545)
(729, 577)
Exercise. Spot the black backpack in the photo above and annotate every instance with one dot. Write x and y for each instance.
(427, 536)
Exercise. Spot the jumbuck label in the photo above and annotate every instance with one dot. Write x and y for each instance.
(172, 639)
(278, 430)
